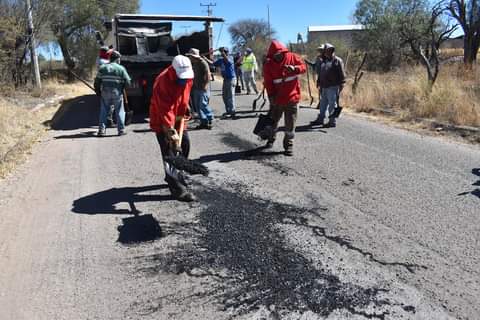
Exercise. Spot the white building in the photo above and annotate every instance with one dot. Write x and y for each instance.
(337, 33)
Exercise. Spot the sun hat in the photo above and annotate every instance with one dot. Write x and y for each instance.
(193, 53)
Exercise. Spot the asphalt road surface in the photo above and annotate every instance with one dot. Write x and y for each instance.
(364, 222)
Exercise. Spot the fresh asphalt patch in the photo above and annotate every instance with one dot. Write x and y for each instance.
(236, 241)
(238, 247)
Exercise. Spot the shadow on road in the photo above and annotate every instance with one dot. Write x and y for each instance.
(310, 128)
(77, 113)
(86, 134)
(142, 130)
(251, 111)
(136, 229)
(139, 229)
(81, 113)
(105, 202)
(476, 192)
(240, 155)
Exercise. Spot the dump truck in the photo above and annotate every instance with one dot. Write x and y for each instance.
(147, 46)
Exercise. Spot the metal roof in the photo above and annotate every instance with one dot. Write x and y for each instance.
(346, 27)
(167, 17)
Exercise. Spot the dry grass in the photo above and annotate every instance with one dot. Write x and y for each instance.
(450, 53)
(455, 98)
(20, 128)
(66, 89)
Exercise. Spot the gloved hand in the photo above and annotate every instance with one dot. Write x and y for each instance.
(173, 138)
(290, 68)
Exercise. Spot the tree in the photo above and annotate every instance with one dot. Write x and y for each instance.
(14, 39)
(422, 28)
(380, 36)
(253, 33)
(74, 22)
(467, 13)
(405, 27)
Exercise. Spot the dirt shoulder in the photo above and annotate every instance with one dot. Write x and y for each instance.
(24, 118)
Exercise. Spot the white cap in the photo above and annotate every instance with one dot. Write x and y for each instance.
(183, 67)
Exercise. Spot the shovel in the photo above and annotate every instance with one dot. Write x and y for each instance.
(179, 162)
(128, 111)
(261, 95)
(338, 110)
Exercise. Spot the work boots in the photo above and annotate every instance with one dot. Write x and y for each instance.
(288, 146)
(317, 122)
(179, 191)
(102, 132)
(269, 144)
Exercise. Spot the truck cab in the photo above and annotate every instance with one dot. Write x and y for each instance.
(148, 47)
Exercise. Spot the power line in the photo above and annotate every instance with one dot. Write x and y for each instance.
(186, 28)
(209, 5)
(220, 34)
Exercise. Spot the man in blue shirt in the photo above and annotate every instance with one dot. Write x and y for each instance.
(227, 67)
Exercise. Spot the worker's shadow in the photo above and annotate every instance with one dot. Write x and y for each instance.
(82, 113)
(253, 154)
(82, 135)
(476, 192)
(310, 128)
(77, 113)
(135, 229)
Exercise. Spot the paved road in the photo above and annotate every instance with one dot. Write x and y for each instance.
(365, 222)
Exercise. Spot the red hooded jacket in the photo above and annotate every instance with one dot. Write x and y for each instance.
(104, 55)
(281, 84)
(169, 100)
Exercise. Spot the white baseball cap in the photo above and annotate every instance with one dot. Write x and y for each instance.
(183, 67)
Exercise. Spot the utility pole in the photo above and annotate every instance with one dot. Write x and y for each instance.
(268, 21)
(209, 5)
(208, 25)
(33, 52)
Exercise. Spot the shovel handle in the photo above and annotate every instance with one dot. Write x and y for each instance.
(125, 98)
(180, 130)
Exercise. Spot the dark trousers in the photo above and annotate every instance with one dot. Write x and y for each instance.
(239, 75)
(173, 177)
(290, 113)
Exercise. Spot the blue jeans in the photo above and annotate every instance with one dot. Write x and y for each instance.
(228, 95)
(328, 101)
(201, 99)
(112, 97)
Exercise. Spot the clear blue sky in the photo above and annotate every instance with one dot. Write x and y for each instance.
(286, 17)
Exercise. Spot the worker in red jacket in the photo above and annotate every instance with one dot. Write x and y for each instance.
(168, 110)
(281, 79)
